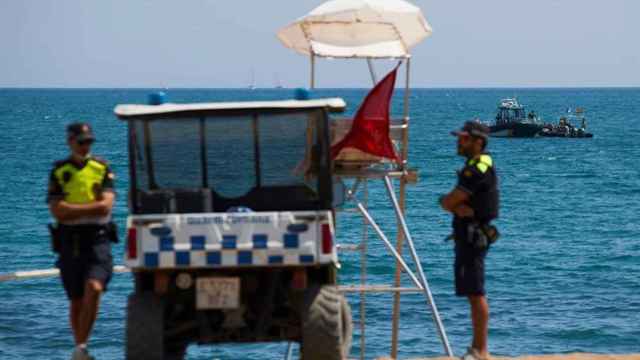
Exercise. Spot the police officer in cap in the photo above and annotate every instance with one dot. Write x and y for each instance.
(81, 198)
(474, 203)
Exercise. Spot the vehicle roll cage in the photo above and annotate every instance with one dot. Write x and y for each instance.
(259, 196)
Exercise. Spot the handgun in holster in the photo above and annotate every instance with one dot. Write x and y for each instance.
(482, 235)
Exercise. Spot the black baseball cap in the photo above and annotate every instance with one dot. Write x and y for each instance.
(473, 128)
(80, 131)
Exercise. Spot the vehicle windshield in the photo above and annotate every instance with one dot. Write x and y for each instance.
(262, 162)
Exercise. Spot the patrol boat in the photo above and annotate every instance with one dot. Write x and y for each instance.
(511, 121)
(566, 128)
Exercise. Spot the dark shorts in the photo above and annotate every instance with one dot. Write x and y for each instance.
(469, 270)
(85, 254)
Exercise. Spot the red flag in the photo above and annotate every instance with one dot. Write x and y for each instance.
(370, 129)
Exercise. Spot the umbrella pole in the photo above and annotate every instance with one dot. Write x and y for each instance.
(407, 66)
(313, 71)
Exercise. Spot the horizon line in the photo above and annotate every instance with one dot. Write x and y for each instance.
(317, 88)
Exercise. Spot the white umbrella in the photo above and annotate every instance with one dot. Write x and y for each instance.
(357, 28)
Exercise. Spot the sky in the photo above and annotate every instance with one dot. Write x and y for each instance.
(220, 44)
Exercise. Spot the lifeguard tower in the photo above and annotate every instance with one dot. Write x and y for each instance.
(371, 30)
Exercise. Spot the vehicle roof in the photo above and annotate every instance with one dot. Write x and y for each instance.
(130, 111)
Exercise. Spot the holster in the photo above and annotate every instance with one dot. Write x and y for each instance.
(482, 235)
(56, 240)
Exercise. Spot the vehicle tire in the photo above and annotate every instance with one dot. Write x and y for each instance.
(144, 327)
(177, 354)
(326, 325)
(347, 326)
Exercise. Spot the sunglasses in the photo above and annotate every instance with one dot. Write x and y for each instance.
(84, 142)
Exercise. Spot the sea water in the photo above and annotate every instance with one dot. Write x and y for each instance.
(564, 276)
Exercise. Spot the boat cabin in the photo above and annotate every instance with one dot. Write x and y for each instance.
(509, 110)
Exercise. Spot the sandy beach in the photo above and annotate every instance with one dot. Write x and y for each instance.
(573, 356)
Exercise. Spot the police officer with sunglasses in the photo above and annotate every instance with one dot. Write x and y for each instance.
(80, 197)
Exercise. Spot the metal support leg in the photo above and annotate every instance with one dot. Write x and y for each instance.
(386, 241)
(363, 273)
(288, 354)
(397, 280)
(423, 278)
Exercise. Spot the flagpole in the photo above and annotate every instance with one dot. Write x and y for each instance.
(372, 71)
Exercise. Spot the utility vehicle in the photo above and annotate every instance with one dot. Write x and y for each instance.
(230, 236)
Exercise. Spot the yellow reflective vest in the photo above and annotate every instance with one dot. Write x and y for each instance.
(482, 162)
(79, 185)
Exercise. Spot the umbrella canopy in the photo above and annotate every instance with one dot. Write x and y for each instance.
(357, 28)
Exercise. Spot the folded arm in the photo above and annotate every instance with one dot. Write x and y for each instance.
(456, 202)
(65, 211)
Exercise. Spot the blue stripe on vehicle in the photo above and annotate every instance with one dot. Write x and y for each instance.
(183, 258)
(291, 241)
(197, 242)
(245, 258)
(229, 241)
(151, 259)
(306, 258)
(276, 259)
(214, 258)
(166, 243)
(260, 241)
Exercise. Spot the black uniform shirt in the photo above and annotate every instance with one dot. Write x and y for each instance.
(478, 179)
(477, 176)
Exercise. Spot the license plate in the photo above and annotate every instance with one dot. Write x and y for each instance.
(218, 293)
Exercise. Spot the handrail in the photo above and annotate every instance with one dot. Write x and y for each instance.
(43, 273)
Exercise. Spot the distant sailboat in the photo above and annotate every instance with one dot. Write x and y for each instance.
(252, 81)
(278, 84)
